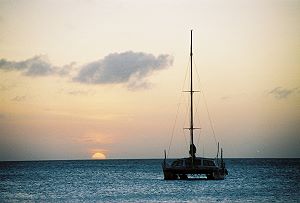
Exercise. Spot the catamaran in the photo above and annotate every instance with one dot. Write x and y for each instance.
(213, 168)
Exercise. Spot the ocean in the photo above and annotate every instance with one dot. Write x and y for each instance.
(249, 180)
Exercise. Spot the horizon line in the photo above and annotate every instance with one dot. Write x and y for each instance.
(111, 159)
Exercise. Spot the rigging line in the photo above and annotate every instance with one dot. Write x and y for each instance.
(206, 106)
(197, 106)
(197, 109)
(197, 114)
(199, 120)
(210, 121)
(184, 134)
(173, 128)
(186, 112)
(198, 137)
(199, 124)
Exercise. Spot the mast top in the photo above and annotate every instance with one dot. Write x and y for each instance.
(191, 52)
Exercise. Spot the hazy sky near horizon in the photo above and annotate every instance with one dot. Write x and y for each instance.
(80, 77)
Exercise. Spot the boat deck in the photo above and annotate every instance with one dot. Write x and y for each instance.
(181, 168)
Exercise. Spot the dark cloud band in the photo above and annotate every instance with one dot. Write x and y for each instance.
(282, 93)
(36, 66)
(122, 68)
(130, 68)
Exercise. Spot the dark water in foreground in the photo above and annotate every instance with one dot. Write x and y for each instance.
(249, 180)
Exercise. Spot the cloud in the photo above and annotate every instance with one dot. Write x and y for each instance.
(35, 66)
(78, 92)
(134, 85)
(282, 93)
(66, 69)
(19, 98)
(95, 138)
(128, 67)
(3, 88)
(225, 97)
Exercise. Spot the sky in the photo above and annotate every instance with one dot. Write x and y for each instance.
(83, 79)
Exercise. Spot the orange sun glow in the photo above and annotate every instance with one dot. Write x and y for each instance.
(98, 155)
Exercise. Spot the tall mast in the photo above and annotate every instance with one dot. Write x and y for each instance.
(192, 146)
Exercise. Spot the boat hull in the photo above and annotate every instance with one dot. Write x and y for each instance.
(212, 173)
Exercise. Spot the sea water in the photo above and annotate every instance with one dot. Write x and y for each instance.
(249, 180)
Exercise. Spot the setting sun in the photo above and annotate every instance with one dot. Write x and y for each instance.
(98, 155)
